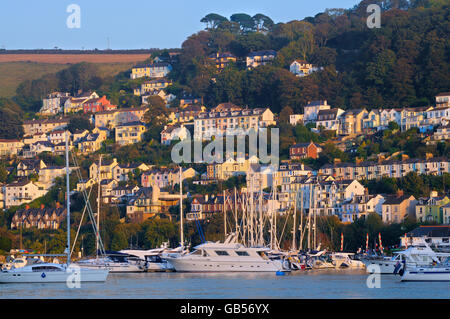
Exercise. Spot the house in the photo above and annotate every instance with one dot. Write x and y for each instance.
(123, 194)
(302, 68)
(304, 150)
(90, 143)
(95, 105)
(22, 192)
(190, 100)
(174, 133)
(229, 168)
(40, 218)
(154, 70)
(32, 127)
(38, 137)
(398, 207)
(446, 214)
(430, 209)
(10, 147)
(436, 235)
(120, 172)
(186, 114)
(58, 136)
(259, 177)
(75, 104)
(164, 177)
(361, 205)
(153, 85)
(257, 58)
(222, 60)
(106, 186)
(311, 110)
(84, 184)
(168, 98)
(351, 122)
(205, 206)
(144, 205)
(111, 119)
(78, 135)
(443, 100)
(106, 169)
(27, 167)
(372, 121)
(229, 119)
(442, 134)
(38, 148)
(295, 119)
(48, 174)
(129, 133)
(54, 103)
(329, 119)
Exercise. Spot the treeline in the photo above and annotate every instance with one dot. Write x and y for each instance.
(404, 63)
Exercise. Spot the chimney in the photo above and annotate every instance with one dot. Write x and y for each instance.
(42, 206)
(58, 205)
(400, 193)
(336, 160)
(428, 155)
(206, 197)
(366, 191)
(27, 207)
(358, 160)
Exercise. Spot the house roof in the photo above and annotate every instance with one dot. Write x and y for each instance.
(395, 200)
(262, 52)
(430, 231)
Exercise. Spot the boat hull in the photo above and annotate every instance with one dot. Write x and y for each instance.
(192, 265)
(421, 274)
(54, 276)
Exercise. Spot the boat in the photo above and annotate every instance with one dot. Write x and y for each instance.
(414, 256)
(226, 257)
(42, 272)
(435, 272)
(151, 258)
(115, 262)
(346, 260)
(319, 260)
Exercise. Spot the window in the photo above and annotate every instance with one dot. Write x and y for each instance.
(242, 253)
(221, 252)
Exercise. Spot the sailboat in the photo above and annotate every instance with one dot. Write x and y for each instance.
(52, 272)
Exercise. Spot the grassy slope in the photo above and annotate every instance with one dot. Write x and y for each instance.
(13, 73)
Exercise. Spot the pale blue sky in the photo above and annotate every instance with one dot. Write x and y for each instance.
(132, 24)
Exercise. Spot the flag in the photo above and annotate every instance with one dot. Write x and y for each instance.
(406, 242)
(381, 244)
(342, 241)
(367, 242)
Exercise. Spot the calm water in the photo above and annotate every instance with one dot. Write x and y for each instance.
(309, 284)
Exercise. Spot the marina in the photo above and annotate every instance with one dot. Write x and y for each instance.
(324, 284)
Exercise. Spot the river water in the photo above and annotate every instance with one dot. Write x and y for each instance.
(346, 284)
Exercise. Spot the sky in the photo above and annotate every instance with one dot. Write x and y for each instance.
(132, 24)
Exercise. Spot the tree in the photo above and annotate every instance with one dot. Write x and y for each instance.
(262, 22)
(11, 116)
(213, 20)
(157, 111)
(79, 123)
(245, 21)
(285, 114)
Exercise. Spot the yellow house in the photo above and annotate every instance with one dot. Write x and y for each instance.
(153, 85)
(106, 169)
(230, 167)
(129, 133)
(154, 70)
(222, 60)
(10, 147)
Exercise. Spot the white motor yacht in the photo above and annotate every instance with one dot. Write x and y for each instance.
(346, 260)
(151, 258)
(226, 257)
(434, 272)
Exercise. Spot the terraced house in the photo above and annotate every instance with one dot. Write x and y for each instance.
(431, 209)
(32, 127)
(111, 119)
(154, 70)
(41, 218)
(229, 119)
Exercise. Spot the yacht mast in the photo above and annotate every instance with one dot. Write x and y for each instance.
(301, 220)
(181, 209)
(261, 238)
(294, 230)
(97, 235)
(309, 216)
(235, 215)
(224, 218)
(68, 198)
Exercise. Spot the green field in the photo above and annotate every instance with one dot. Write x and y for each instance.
(13, 73)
